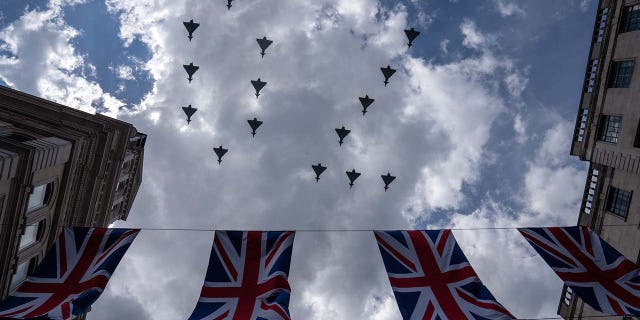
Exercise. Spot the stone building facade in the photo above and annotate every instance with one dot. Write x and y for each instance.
(607, 134)
(59, 167)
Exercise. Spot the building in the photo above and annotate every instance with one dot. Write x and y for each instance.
(607, 134)
(59, 167)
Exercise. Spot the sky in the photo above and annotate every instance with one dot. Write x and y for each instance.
(476, 124)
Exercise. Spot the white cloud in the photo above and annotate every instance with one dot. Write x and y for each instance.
(124, 72)
(508, 8)
(444, 46)
(44, 62)
(430, 127)
(474, 38)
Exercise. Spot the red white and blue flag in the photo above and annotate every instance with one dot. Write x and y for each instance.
(595, 271)
(71, 276)
(247, 277)
(432, 279)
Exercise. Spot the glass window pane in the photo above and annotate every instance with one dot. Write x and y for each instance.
(21, 274)
(29, 237)
(36, 199)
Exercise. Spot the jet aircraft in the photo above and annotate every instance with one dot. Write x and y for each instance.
(220, 151)
(318, 169)
(387, 179)
(352, 175)
(342, 133)
(264, 43)
(366, 102)
(387, 72)
(254, 124)
(412, 34)
(191, 27)
(190, 69)
(258, 85)
(189, 111)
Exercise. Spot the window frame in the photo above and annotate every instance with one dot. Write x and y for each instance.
(615, 79)
(47, 196)
(626, 18)
(609, 132)
(615, 197)
(636, 142)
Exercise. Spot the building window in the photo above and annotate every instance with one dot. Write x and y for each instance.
(631, 18)
(601, 25)
(610, 128)
(636, 143)
(621, 72)
(30, 236)
(39, 196)
(20, 275)
(619, 201)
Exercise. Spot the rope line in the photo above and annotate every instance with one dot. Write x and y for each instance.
(317, 230)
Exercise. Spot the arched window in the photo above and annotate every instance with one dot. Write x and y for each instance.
(40, 196)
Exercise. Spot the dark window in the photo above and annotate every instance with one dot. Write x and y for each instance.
(636, 143)
(621, 72)
(610, 128)
(630, 18)
(619, 201)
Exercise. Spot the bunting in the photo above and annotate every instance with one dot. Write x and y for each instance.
(594, 270)
(247, 277)
(71, 276)
(432, 279)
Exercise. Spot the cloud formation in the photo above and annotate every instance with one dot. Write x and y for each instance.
(432, 127)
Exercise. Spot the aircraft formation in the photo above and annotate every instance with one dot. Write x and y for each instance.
(258, 85)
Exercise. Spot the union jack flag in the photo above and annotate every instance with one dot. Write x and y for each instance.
(432, 279)
(595, 271)
(247, 277)
(71, 276)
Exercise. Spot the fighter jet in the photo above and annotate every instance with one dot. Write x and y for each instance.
(387, 179)
(264, 43)
(352, 175)
(191, 27)
(387, 72)
(366, 102)
(258, 85)
(412, 34)
(189, 112)
(318, 169)
(342, 133)
(220, 151)
(191, 69)
(229, 4)
(254, 124)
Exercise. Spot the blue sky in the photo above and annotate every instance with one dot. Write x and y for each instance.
(477, 125)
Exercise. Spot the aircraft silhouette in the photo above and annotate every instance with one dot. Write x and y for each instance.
(191, 27)
(342, 133)
(412, 34)
(352, 175)
(264, 43)
(220, 151)
(387, 179)
(387, 72)
(318, 169)
(254, 124)
(189, 112)
(258, 85)
(229, 4)
(190, 69)
(366, 102)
